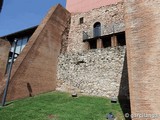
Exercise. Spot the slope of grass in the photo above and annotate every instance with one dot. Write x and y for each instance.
(60, 106)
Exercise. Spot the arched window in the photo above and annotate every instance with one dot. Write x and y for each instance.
(97, 29)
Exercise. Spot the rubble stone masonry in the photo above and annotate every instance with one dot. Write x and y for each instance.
(99, 72)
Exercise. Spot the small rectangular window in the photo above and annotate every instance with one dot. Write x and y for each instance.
(81, 20)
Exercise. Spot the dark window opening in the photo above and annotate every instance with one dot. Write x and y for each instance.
(93, 44)
(121, 39)
(81, 20)
(21, 43)
(97, 29)
(106, 41)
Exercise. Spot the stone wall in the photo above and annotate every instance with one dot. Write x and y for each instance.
(99, 72)
(64, 42)
(111, 18)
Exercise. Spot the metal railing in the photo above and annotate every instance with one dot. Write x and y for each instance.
(85, 35)
(91, 34)
(103, 30)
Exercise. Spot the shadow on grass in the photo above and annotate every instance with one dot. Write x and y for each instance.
(7, 104)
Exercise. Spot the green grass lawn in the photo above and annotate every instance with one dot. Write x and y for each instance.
(60, 106)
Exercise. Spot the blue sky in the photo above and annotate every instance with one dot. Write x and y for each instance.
(17, 15)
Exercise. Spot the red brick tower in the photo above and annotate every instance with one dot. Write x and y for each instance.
(75, 6)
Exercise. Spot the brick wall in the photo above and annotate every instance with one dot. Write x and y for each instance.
(143, 47)
(74, 6)
(34, 71)
(4, 52)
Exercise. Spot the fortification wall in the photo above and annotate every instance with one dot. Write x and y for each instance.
(143, 48)
(111, 18)
(100, 72)
(74, 6)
